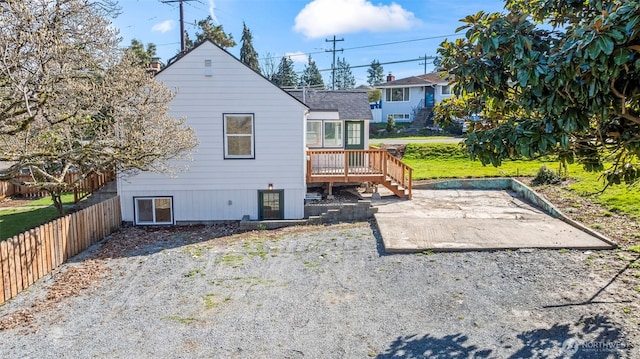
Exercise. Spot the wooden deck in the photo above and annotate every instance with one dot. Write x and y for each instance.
(349, 166)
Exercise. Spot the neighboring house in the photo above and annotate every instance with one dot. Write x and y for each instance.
(337, 119)
(251, 155)
(413, 98)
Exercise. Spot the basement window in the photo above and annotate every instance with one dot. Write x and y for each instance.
(153, 210)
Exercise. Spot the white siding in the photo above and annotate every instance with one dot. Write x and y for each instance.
(416, 94)
(401, 107)
(205, 189)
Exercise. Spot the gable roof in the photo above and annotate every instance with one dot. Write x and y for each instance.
(179, 57)
(351, 105)
(430, 79)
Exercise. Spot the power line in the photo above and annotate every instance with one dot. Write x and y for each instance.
(422, 58)
(372, 45)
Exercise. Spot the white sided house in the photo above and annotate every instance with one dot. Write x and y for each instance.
(412, 98)
(251, 156)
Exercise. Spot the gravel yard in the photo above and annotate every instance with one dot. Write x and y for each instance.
(321, 292)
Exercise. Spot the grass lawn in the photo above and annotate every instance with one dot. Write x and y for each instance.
(67, 199)
(447, 160)
(617, 198)
(14, 222)
(442, 160)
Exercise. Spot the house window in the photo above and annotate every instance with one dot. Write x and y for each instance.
(400, 117)
(446, 90)
(238, 136)
(270, 204)
(333, 134)
(397, 94)
(153, 210)
(314, 133)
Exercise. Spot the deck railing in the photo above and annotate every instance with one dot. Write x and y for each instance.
(373, 165)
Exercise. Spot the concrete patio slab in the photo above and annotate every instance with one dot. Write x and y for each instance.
(470, 219)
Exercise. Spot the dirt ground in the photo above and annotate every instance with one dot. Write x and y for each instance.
(330, 292)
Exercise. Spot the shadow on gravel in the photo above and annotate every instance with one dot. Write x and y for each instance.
(427, 346)
(597, 338)
(376, 234)
(631, 264)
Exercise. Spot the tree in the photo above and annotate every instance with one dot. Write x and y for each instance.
(572, 90)
(344, 77)
(72, 101)
(391, 124)
(311, 75)
(375, 73)
(142, 55)
(374, 95)
(285, 76)
(268, 67)
(215, 33)
(248, 54)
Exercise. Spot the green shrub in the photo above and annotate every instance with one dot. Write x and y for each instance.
(391, 124)
(546, 175)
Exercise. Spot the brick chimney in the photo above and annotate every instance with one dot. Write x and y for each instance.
(390, 77)
(155, 65)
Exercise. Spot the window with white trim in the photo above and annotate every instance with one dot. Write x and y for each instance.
(238, 136)
(400, 94)
(153, 210)
(446, 90)
(333, 133)
(400, 117)
(314, 133)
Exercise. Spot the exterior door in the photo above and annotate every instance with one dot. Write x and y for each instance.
(270, 204)
(354, 133)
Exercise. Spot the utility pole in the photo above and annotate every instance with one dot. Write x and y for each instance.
(333, 65)
(425, 58)
(182, 43)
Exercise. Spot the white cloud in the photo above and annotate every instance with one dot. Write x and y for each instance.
(297, 57)
(164, 26)
(320, 18)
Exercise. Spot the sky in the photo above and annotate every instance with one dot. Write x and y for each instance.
(391, 32)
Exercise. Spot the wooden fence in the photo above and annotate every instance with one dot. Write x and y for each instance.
(92, 182)
(6, 189)
(31, 255)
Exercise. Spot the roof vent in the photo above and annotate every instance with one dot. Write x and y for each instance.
(208, 68)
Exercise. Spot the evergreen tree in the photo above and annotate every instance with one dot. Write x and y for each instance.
(248, 54)
(375, 73)
(215, 33)
(286, 75)
(344, 78)
(311, 75)
(142, 55)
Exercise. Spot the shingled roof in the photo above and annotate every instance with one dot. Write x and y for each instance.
(351, 105)
(420, 80)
